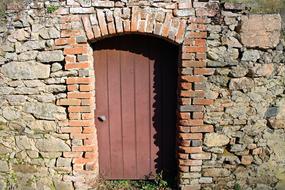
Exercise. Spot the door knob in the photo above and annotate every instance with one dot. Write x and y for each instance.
(102, 118)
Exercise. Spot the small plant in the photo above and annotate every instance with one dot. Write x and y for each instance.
(237, 187)
(52, 8)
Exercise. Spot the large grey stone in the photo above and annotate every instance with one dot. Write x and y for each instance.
(26, 70)
(250, 55)
(11, 113)
(262, 31)
(4, 167)
(29, 45)
(50, 56)
(52, 144)
(241, 83)
(43, 110)
(24, 143)
(216, 172)
(43, 126)
(63, 185)
(30, 55)
(216, 139)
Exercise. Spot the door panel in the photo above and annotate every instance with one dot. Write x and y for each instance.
(136, 79)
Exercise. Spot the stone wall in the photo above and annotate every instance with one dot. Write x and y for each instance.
(247, 147)
(47, 92)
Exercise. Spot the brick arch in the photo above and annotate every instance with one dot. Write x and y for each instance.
(189, 32)
(109, 23)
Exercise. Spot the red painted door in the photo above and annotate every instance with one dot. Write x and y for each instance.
(136, 84)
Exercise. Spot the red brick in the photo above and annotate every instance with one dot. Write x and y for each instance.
(86, 88)
(76, 66)
(72, 154)
(72, 87)
(197, 20)
(89, 130)
(194, 49)
(197, 35)
(75, 50)
(83, 109)
(82, 95)
(204, 71)
(87, 115)
(88, 102)
(77, 123)
(90, 141)
(66, 102)
(190, 162)
(184, 115)
(90, 155)
(197, 93)
(74, 116)
(201, 56)
(194, 64)
(184, 129)
(70, 59)
(83, 160)
(80, 136)
(188, 78)
(70, 33)
(190, 150)
(195, 136)
(192, 122)
(197, 115)
(185, 5)
(77, 80)
(184, 101)
(71, 129)
(186, 86)
(84, 148)
(202, 101)
(87, 27)
(202, 129)
(181, 31)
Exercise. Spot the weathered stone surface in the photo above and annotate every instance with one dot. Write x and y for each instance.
(43, 110)
(63, 162)
(52, 144)
(50, 56)
(56, 67)
(250, 55)
(215, 139)
(26, 56)
(4, 167)
(24, 143)
(10, 113)
(26, 70)
(43, 126)
(264, 70)
(241, 83)
(216, 172)
(63, 185)
(262, 31)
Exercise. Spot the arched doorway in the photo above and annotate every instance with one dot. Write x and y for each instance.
(136, 101)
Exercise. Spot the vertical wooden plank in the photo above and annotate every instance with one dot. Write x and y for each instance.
(100, 61)
(128, 112)
(114, 89)
(142, 113)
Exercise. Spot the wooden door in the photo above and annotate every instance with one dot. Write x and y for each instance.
(136, 84)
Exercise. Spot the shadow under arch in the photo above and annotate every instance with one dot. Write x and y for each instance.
(137, 33)
(165, 54)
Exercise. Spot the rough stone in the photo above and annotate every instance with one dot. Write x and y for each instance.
(4, 167)
(261, 31)
(46, 111)
(56, 67)
(26, 70)
(250, 55)
(10, 113)
(241, 83)
(216, 172)
(26, 56)
(52, 144)
(215, 139)
(50, 56)
(63, 185)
